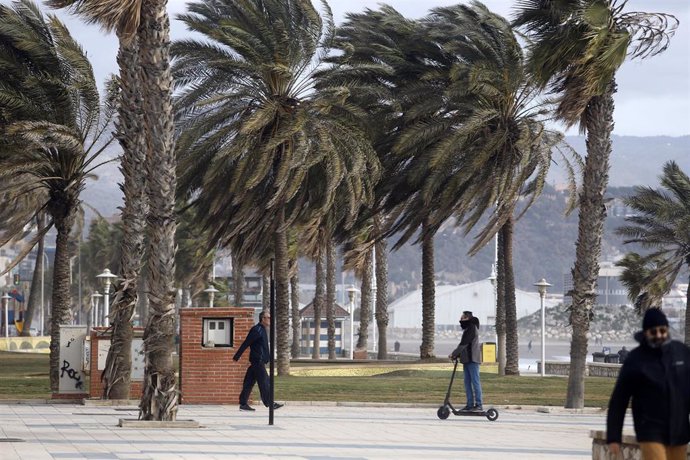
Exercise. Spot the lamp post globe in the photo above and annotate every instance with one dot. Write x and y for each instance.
(211, 295)
(541, 286)
(107, 279)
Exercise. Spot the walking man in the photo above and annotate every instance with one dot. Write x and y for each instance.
(656, 375)
(259, 354)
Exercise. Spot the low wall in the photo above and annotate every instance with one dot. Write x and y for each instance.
(26, 344)
(591, 369)
(630, 450)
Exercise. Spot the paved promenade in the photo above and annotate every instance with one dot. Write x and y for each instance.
(301, 431)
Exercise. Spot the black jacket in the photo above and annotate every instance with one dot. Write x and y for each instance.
(257, 341)
(468, 349)
(658, 381)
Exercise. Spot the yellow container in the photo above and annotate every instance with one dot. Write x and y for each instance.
(488, 352)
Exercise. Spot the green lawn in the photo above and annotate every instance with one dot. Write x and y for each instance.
(25, 376)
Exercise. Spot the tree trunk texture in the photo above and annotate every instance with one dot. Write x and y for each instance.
(265, 292)
(512, 352)
(687, 316)
(330, 297)
(501, 305)
(35, 292)
(365, 301)
(426, 349)
(237, 280)
(282, 285)
(381, 310)
(159, 400)
(130, 133)
(294, 306)
(61, 293)
(319, 301)
(591, 218)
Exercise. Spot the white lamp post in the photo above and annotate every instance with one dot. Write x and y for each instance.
(541, 286)
(6, 302)
(94, 308)
(211, 295)
(107, 279)
(351, 296)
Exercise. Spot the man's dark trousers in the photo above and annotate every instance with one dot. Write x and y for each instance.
(256, 373)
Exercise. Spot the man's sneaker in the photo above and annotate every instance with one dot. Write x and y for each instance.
(467, 408)
(478, 408)
(247, 407)
(277, 406)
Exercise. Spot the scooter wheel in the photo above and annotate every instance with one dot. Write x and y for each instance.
(492, 414)
(443, 412)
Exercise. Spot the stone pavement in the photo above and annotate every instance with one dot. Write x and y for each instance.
(301, 431)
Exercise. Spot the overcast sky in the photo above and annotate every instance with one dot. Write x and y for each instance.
(653, 95)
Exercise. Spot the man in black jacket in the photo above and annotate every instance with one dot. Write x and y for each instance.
(469, 354)
(259, 354)
(656, 375)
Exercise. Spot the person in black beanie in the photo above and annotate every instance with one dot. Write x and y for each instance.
(656, 375)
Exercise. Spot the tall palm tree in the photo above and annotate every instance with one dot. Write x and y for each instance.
(330, 297)
(577, 48)
(57, 128)
(365, 275)
(645, 289)
(660, 223)
(124, 19)
(253, 129)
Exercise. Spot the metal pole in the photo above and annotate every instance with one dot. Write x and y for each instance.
(352, 326)
(43, 274)
(7, 324)
(272, 341)
(543, 336)
(106, 304)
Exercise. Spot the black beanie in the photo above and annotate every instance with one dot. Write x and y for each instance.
(653, 318)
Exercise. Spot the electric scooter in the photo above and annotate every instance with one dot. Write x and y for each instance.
(445, 410)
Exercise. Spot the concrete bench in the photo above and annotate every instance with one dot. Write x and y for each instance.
(629, 447)
(591, 369)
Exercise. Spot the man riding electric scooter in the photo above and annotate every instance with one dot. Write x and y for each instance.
(469, 355)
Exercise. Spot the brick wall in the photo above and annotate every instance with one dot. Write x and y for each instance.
(209, 375)
(95, 383)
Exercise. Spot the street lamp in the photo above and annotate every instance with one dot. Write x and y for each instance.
(541, 286)
(94, 308)
(107, 279)
(211, 295)
(351, 296)
(6, 301)
(43, 275)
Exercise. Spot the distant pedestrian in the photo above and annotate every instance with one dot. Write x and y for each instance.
(529, 346)
(656, 375)
(622, 354)
(396, 346)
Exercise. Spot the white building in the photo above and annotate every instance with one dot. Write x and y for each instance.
(452, 300)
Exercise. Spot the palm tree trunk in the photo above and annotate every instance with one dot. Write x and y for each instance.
(117, 372)
(687, 309)
(330, 297)
(365, 301)
(501, 305)
(282, 296)
(426, 350)
(589, 233)
(294, 304)
(61, 292)
(35, 280)
(160, 396)
(381, 257)
(237, 280)
(318, 302)
(512, 353)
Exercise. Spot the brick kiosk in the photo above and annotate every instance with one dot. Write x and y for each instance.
(100, 344)
(209, 337)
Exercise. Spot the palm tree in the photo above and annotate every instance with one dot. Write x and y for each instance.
(578, 46)
(365, 274)
(124, 19)
(660, 223)
(637, 276)
(253, 129)
(57, 128)
(294, 306)
(330, 297)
